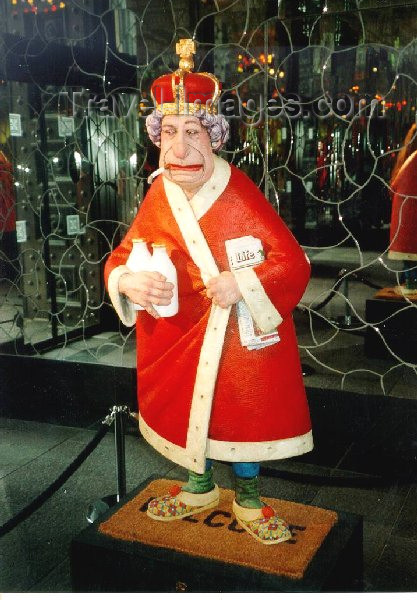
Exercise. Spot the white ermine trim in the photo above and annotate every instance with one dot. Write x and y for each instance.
(191, 232)
(212, 189)
(401, 255)
(122, 305)
(178, 454)
(205, 382)
(228, 451)
(259, 451)
(261, 308)
(212, 346)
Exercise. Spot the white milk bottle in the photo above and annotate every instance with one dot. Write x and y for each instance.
(161, 263)
(139, 260)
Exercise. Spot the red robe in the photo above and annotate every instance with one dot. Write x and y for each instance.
(259, 409)
(403, 230)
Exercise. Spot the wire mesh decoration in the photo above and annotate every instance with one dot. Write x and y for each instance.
(319, 94)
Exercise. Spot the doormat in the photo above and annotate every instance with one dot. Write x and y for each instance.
(216, 535)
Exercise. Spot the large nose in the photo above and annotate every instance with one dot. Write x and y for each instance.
(180, 147)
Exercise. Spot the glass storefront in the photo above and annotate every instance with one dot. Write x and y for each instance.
(320, 96)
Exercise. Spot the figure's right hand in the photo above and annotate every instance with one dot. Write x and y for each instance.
(147, 288)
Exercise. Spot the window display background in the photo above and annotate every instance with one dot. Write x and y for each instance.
(81, 162)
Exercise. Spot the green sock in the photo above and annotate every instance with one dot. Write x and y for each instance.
(199, 484)
(247, 492)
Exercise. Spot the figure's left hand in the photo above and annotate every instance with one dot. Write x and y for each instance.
(223, 289)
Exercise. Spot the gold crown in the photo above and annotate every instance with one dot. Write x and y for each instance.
(183, 91)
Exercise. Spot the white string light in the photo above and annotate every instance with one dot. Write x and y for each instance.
(247, 154)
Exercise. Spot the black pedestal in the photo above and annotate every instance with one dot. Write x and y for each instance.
(100, 563)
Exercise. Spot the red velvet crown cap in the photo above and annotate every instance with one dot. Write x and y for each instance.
(198, 87)
(184, 92)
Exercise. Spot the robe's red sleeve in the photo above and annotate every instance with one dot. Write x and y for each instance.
(114, 269)
(286, 271)
(121, 253)
(272, 289)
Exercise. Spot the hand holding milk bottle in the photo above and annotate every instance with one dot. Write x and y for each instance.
(140, 259)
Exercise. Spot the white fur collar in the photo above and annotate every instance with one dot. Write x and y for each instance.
(212, 189)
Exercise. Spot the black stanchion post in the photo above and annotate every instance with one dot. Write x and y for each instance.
(117, 416)
(119, 441)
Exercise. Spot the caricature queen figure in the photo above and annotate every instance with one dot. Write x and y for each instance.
(204, 392)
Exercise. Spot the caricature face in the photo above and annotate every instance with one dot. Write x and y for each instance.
(186, 152)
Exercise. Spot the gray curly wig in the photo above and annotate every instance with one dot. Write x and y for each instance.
(216, 125)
